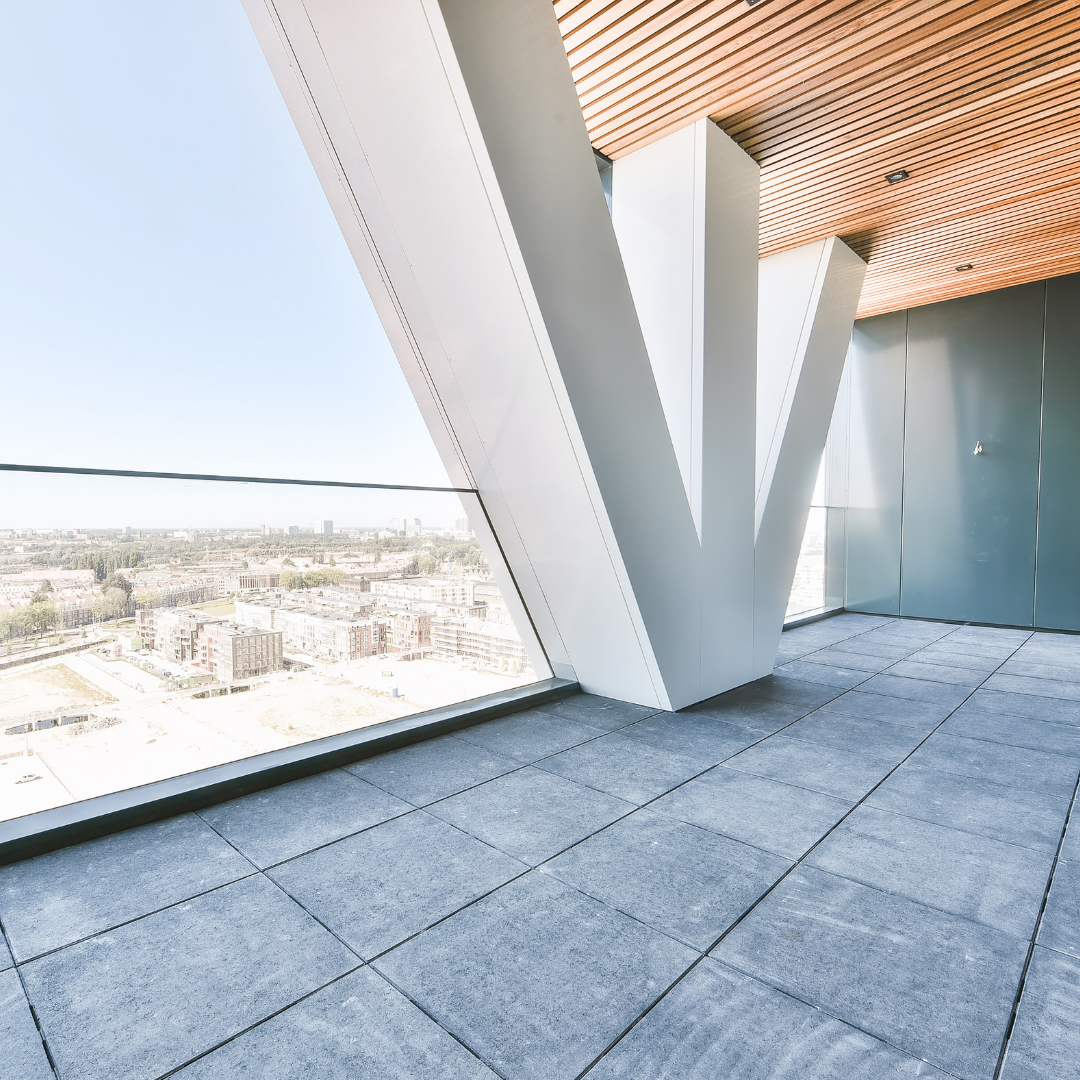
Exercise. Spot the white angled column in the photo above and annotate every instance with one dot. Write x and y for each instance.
(807, 302)
(685, 210)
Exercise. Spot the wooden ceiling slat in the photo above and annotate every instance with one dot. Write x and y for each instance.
(928, 159)
(779, 141)
(978, 99)
(738, 65)
(817, 101)
(741, 55)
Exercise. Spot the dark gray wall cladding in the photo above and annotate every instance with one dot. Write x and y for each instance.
(876, 463)
(952, 532)
(1057, 590)
(974, 376)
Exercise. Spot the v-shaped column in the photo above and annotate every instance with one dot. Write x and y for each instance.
(449, 139)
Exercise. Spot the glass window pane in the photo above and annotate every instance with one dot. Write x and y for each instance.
(175, 293)
(150, 628)
(808, 587)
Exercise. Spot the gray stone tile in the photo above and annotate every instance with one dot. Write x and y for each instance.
(916, 689)
(718, 1024)
(434, 769)
(838, 656)
(881, 650)
(77, 891)
(935, 985)
(845, 678)
(1022, 684)
(791, 691)
(768, 814)
(598, 712)
(5, 956)
(937, 673)
(283, 822)
(1060, 927)
(797, 691)
(531, 814)
(972, 721)
(381, 886)
(921, 716)
(1020, 769)
(1028, 818)
(700, 737)
(981, 653)
(822, 768)
(536, 978)
(145, 998)
(1035, 667)
(22, 1056)
(994, 883)
(975, 662)
(1045, 1042)
(686, 882)
(752, 713)
(627, 768)
(359, 1026)
(989, 635)
(1053, 710)
(529, 736)
(857, 734)
(1070, 849)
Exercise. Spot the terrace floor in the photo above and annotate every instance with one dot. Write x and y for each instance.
(841, 871)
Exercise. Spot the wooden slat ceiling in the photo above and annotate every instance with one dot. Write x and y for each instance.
(978, 99)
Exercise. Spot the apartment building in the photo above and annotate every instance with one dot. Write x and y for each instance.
(172, 633)
(232, 652)
(495, 646)
(409, 630)
(457, 591)
(326, 635)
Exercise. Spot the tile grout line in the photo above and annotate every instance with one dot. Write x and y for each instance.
(135, 919)
(251, 1027)
(1022, 985)
(26, 996)
(787, 873)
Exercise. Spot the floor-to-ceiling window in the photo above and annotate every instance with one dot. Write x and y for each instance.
(176, 298)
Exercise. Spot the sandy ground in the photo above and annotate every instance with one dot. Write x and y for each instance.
(144, 735)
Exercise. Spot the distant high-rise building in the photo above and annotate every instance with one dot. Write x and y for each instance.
(294, 530)
(461, 525)
(325, 528)
(397, 525)
(266, 530)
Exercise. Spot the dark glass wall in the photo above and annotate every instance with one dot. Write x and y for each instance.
(876, 463)
(935, 529)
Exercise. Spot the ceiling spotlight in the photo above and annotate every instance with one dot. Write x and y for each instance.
(752, 2)
(896, 177)
(964, 266)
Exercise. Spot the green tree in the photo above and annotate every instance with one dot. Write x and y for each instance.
(113, 580)
(426, 564)
(112, 603)
(292, 579)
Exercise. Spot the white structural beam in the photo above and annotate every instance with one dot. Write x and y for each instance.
(451, 145)
(808, 297)
(685, 211)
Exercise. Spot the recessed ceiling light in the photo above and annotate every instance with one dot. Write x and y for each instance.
(752, 2)
(965, 266)
(896, 177)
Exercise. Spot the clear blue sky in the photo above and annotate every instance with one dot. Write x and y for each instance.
(174, 291)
